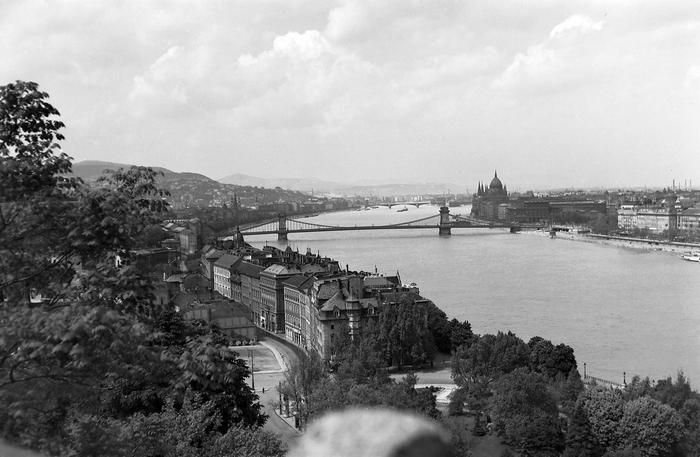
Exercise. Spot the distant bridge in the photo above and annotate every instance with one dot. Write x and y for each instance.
(392, 204)
(444, 222)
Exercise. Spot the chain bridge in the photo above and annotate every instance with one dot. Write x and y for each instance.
(444, 222)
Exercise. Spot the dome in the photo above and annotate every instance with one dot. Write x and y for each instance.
(496, 183)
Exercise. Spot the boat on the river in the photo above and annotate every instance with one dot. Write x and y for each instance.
(401, 210)
(691, 256)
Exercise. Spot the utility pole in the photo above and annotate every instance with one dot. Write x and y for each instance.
(279, 390)
(252, 370)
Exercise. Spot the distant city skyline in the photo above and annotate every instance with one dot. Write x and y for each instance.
(578, 94)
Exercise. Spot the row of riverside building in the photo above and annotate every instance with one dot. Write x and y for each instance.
(494, 203)
(672, 213)
(308, 298)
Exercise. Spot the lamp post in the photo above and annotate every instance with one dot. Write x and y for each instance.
(279, 389)
(252, 370)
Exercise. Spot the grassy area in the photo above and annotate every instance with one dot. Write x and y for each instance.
(263, 358)
(488, 445)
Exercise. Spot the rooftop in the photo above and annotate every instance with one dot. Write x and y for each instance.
(249, 269)
(227, 261)
(278, 269)
(297, 281)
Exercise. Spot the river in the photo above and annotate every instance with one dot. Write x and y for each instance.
(621, 309)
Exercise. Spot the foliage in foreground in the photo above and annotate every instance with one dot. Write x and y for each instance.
(87, 364)
(536, 397)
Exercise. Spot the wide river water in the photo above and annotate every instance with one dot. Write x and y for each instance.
(621, 309)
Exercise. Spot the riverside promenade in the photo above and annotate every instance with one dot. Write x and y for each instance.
(620, 241)
(272, 358)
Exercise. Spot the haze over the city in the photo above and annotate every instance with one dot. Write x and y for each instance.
(552, 94)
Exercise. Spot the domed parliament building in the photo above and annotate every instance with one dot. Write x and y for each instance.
(486, 201)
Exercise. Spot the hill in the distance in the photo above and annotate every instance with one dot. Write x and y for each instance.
(89, 170)
(303, 185)
(319, 186)
(193, 189)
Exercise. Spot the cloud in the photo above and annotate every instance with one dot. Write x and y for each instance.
(439, 80)
(575, 25)
(692, 79)
(288, 85)
(347, 21)
(565, 59)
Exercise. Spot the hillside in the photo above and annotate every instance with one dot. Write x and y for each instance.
(193, 189)
(304, 185)
(319, 186)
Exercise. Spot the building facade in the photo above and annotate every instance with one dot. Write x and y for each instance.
(250, 290)
(486, 201)
(209, 256)
(272, 294)
(224, 273)
(689, 220)
(297, 310)
(658, 219)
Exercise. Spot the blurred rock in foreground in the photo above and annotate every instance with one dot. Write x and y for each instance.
(372, 432)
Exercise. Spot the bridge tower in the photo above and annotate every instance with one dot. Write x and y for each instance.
(445, 228)
(282, 229)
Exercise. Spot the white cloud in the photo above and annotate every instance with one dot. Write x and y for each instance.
(692, 79)
(564, 59)
(576, 24)
(440, 80)
(346, 21)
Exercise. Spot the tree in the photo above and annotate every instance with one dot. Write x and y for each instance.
(362, 357)
(34, 194)
(152, 236)
(604, 408)
(328, 395)
(488, 358)
(690, 413)
(674, 394)
(300, 379)
(550, 360)
(650, 426)
(570, 390)
(404, 332)
(526, 412)
(189, 431)
(680, 397)
(633, 452)
(542, 436)
(604, 224)
(580, 441)
(457, 399)
(32, 161)
(86, 346)
(440, 328)
(460, 334)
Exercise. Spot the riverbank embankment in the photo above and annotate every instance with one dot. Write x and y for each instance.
(621, 241)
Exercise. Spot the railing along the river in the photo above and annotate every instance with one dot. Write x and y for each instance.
(595, 381)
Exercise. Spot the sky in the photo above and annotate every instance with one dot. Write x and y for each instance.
(551, 93)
